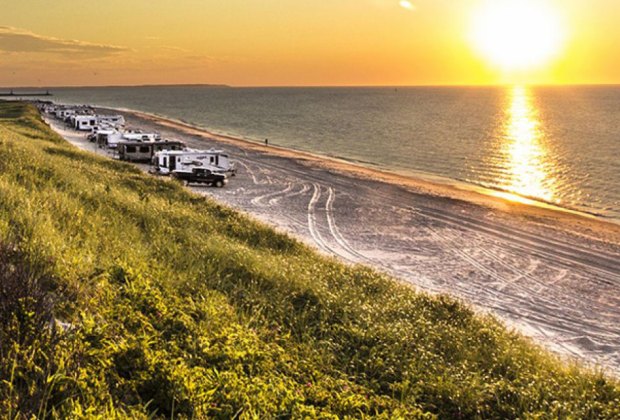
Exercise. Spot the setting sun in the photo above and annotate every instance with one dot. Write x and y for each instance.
(517, 34)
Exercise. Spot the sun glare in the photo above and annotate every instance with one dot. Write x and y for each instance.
(405, 4)
(517, 34)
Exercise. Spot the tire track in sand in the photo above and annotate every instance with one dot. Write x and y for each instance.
(331, 223)
(312, 224)
(257, 201)
(305, 188)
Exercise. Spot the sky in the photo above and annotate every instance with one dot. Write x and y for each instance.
(286, 43)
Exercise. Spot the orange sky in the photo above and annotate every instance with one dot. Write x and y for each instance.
(283, 43)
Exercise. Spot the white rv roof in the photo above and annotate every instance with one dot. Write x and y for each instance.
(139, 136)
(191, 152)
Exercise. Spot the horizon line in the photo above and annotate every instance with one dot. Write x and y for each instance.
(223, 85)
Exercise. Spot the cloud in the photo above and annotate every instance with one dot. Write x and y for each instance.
(14, 40)
(173, 48)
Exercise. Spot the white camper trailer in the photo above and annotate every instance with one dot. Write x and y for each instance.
(108, 138)
(63, 113)
(216, 161)
(49, 108)
(140, 136)
(111, 119)
(111, 137)
(84, 122)
(143, 151)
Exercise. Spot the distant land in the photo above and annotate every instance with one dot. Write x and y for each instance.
(117, 86)
(12, 93)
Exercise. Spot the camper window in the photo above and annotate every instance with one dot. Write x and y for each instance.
(131, 149)
(144, 149)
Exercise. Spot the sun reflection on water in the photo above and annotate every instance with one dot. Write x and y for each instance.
(526, 157)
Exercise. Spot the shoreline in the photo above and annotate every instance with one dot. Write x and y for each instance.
(421, 183)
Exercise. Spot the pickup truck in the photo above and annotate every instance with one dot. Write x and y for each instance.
(201, 176)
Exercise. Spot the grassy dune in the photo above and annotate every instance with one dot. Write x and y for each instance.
(123, 295)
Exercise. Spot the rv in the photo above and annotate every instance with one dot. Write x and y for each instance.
(83, 122)
(140, 136)
(49, 108)
(63, 113)
(216, 161)
(111, 137)
(139, 151)
(111, 119)
(100, 127)
(108, 138)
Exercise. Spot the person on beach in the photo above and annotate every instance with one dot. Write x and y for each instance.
(266, 142)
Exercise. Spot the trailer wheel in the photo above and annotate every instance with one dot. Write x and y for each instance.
(219, 184)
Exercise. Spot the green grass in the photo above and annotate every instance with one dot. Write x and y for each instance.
(175, 306)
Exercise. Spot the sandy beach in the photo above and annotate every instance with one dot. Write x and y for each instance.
(552, 274)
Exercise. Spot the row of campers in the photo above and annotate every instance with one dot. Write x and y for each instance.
(82, 117)
(167, 157)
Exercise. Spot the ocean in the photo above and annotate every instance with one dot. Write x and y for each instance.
(557, 145)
